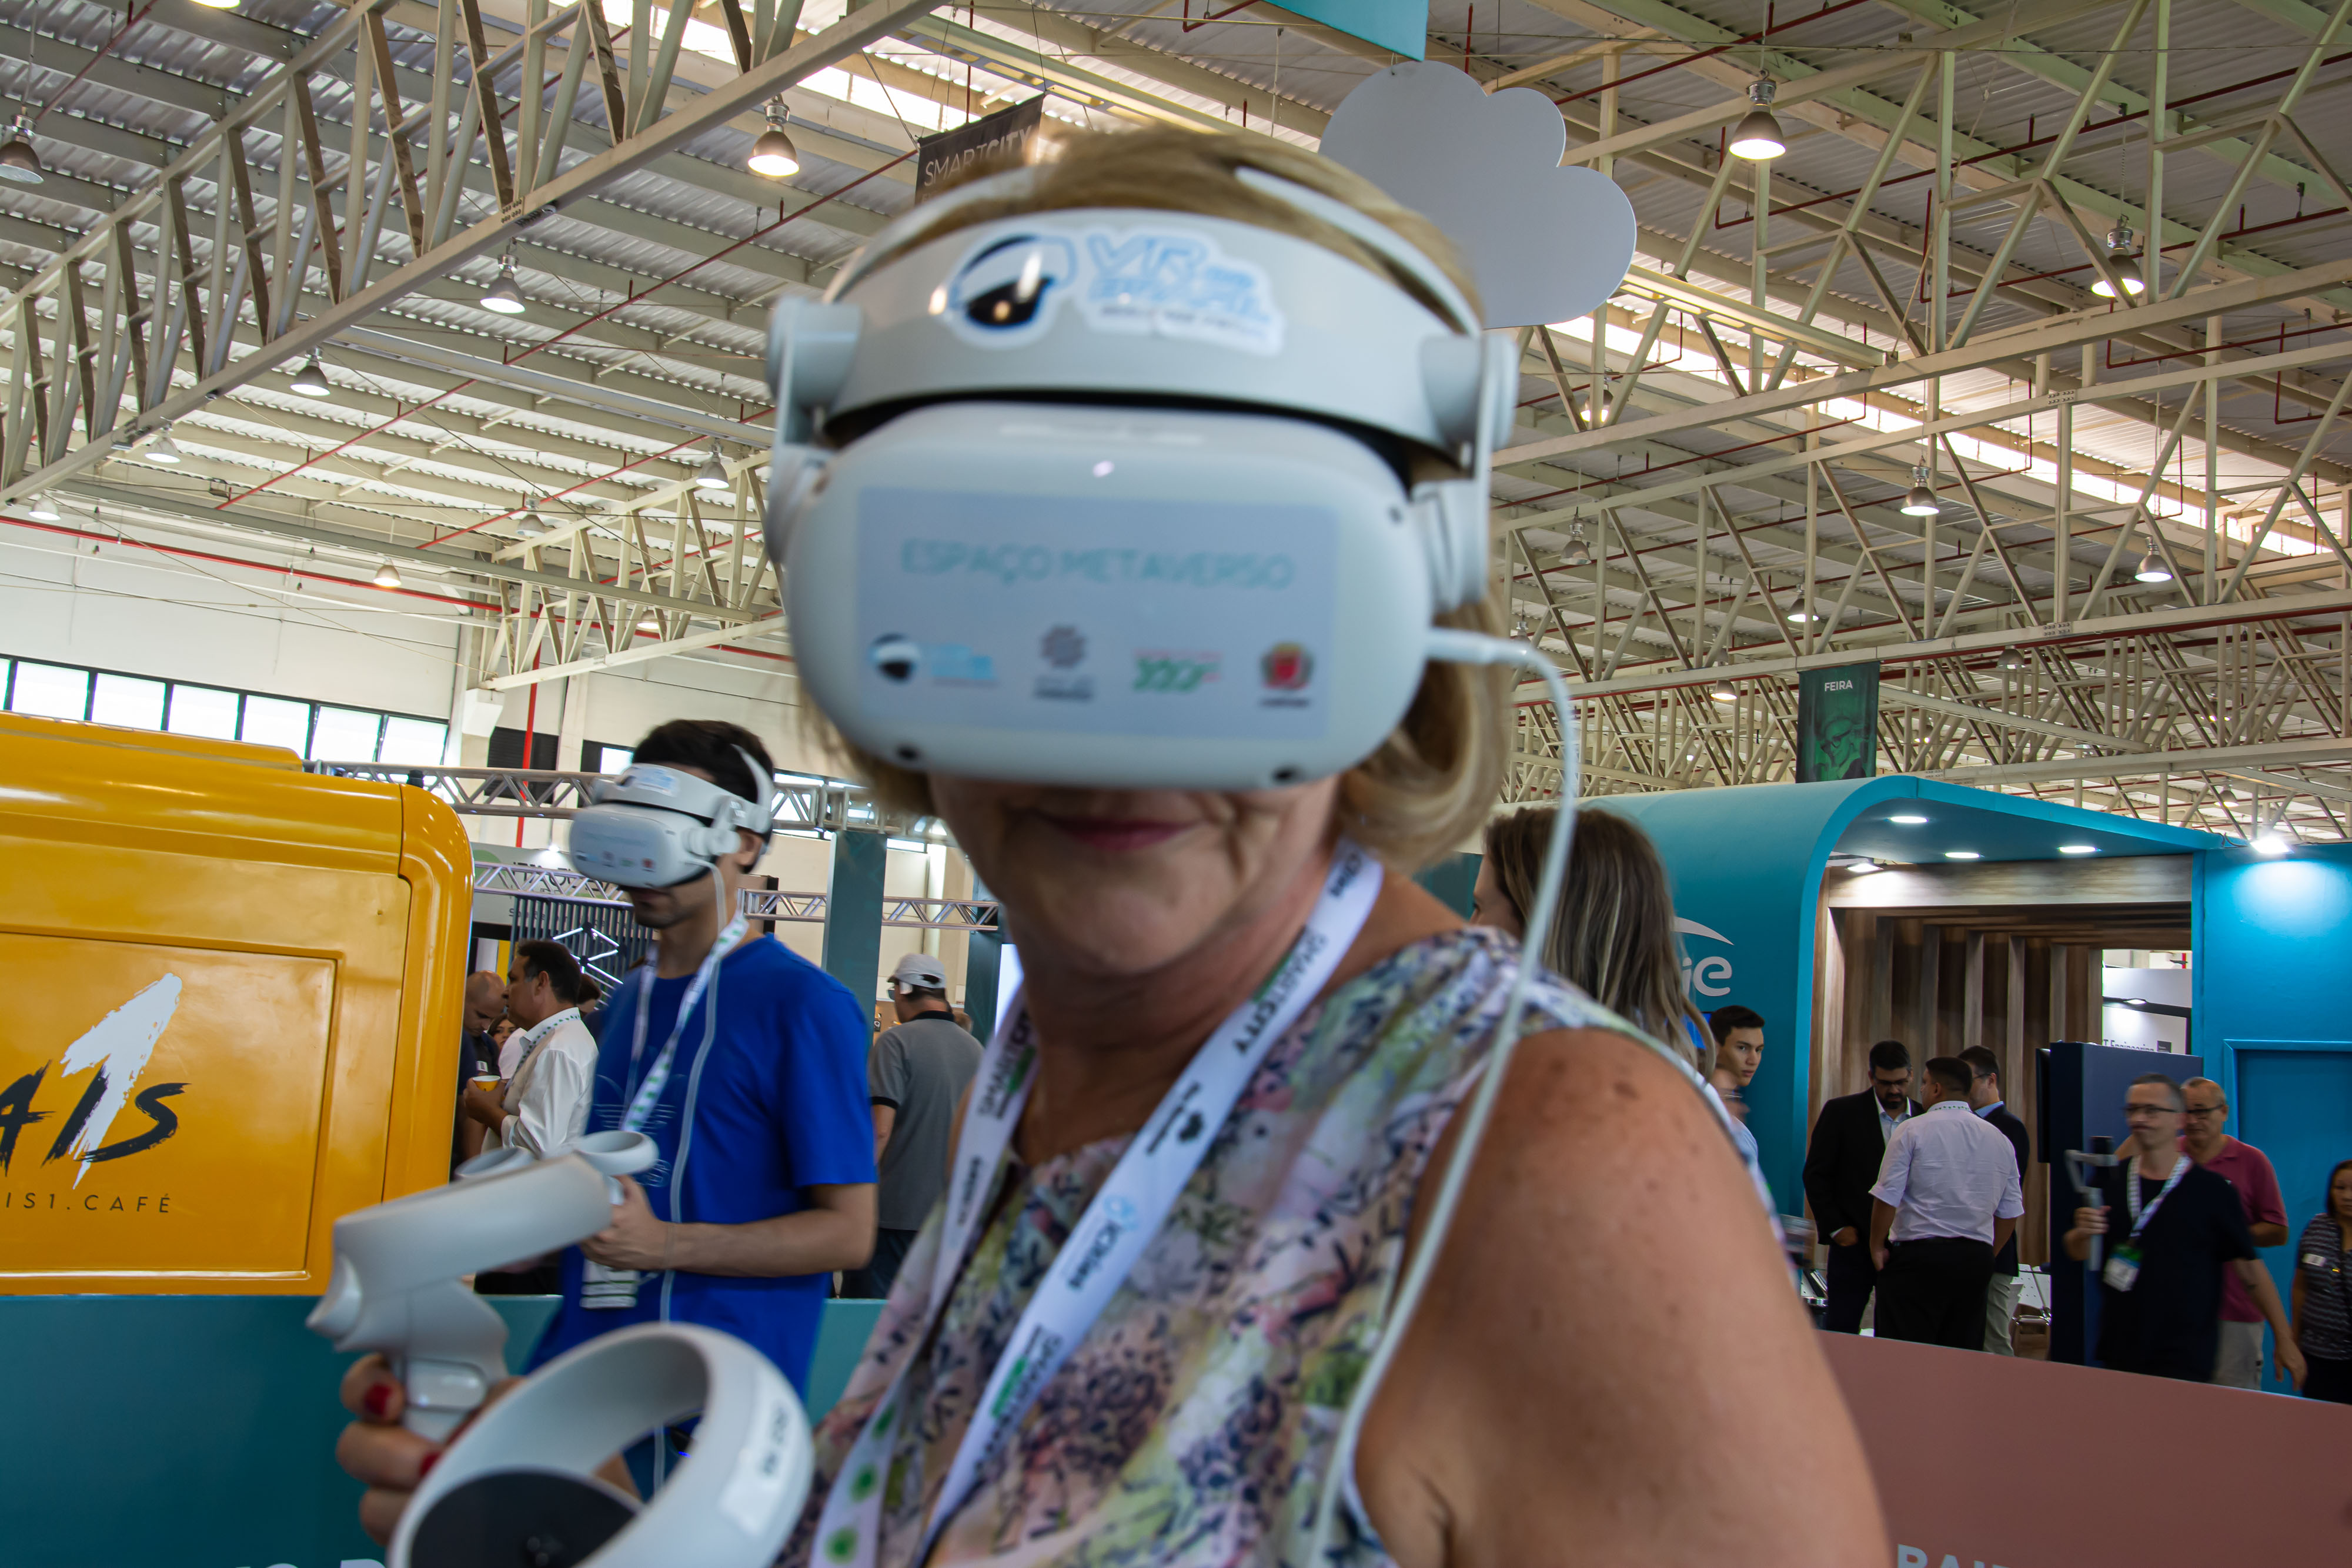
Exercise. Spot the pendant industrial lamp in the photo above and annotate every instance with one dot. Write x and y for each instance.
(1920, 502)
(773, 155)
(310, 381)
(18, 162)
(712, 475)
(1757, 137)
(1723, 691)
(531, 526)
(41, 509)
(2152, 568)
(387, 576)
(2123, 255)
(163, 449)
(1579, 552)
(505, 296)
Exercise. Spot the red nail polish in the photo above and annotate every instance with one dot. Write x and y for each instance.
(376, 1400)
(425, 1466)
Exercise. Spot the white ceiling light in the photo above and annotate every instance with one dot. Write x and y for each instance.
(531, 526)
(1962, 855)
(2013, 660)
(2152, 568)
(41, 509)
(1758, 136)
(712, 475)
(1723, 691)
(18, 162)
(2078, 848)
(2122, 255)
(1801, 616)
(1579, 552)
(2271, 842)
(387, 576)
(1863, 868)
(310, 381)
(1908, 820)
(505, 296)
(649, 623)
(218, 5)
(1920, 502)
(163, 449)
(773, 154)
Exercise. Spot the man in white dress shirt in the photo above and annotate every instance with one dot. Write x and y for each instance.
(1948, 1198)
(543, 1105)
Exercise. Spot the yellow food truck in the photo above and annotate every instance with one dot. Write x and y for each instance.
(233, 1008)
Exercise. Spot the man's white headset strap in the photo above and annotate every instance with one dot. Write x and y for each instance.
(1117, 1225)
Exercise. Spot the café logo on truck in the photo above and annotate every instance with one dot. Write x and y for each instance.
(114, 1052)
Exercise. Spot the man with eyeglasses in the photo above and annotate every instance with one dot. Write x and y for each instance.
(2171, 1231)
(2247, 1169)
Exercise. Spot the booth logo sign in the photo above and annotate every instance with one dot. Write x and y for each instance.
(1709, 976)
(116, 1047)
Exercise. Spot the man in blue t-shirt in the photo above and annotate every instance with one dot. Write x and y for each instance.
(765, 1184)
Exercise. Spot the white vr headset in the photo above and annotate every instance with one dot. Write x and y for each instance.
(658, 827)
(1115, 497)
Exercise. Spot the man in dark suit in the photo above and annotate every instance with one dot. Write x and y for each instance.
(1986, 1100)
(1841, 1163)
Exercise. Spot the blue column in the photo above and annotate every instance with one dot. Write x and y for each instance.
(979, 972)
(853, 914)
(981, 967)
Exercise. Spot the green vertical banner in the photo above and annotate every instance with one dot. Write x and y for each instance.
(853, 915)
(1837, 723)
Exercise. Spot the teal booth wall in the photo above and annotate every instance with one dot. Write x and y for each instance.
(1745, 865)
(199, 1431)
(2268, 1008)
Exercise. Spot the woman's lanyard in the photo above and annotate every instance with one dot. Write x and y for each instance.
(1112, 1233)
(656, 1079)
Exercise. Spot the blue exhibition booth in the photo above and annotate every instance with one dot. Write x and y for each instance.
(1756, 868)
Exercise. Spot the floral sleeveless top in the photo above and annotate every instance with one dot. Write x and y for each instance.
(1195, 1420)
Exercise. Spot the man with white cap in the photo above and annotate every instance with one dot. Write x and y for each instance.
(916, 1077)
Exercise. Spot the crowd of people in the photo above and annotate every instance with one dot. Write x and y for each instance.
(1917, 1200)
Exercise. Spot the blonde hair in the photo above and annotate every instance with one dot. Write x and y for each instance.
(1429, 785)
(1614, 934)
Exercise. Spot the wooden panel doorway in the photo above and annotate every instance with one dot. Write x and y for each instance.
(2006, 956)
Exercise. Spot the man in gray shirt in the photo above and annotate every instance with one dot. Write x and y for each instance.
(916, 1076)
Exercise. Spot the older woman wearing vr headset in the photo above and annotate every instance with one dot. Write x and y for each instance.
(1156, 1319)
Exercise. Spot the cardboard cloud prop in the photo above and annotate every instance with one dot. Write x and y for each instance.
(1546, 244)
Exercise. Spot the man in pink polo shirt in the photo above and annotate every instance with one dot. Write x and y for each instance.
(2248, 1169)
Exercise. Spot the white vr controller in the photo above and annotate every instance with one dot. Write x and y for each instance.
(521, 1485)
(397, 1286)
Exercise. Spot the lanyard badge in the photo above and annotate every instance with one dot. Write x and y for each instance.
(1109, 1237)
(603, 1289)
(2122, 1271)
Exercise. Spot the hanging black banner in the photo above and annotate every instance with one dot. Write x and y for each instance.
(1008, 129)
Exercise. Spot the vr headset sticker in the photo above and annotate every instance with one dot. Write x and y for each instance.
(1128, 498)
